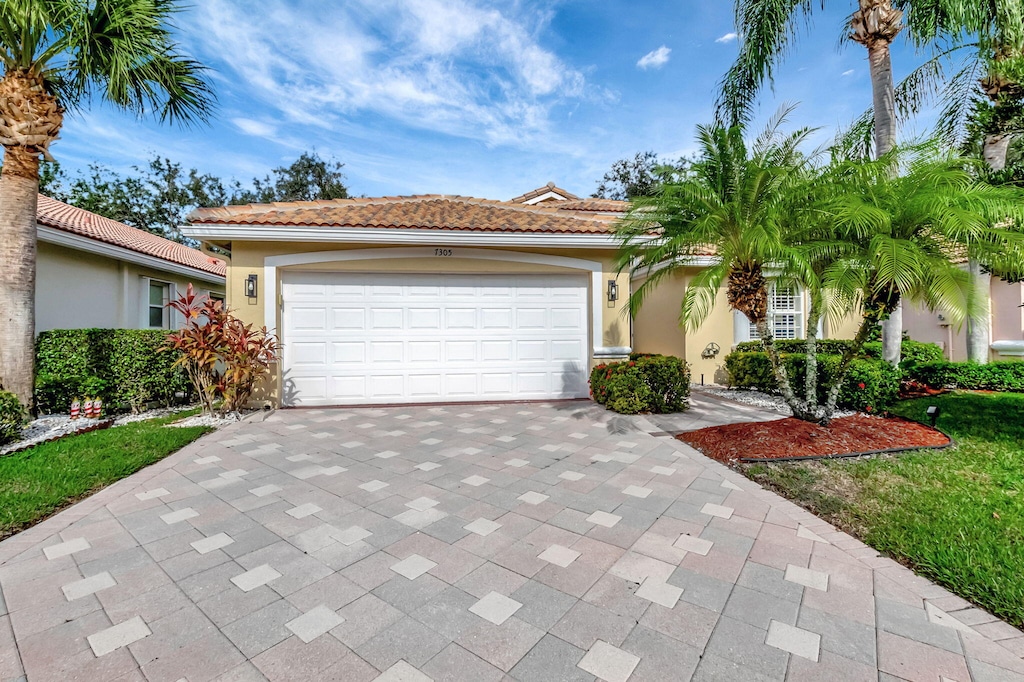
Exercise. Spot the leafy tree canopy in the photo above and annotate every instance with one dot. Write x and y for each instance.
(641, 176)
(158, 196)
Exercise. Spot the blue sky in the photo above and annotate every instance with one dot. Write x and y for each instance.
(487, 98)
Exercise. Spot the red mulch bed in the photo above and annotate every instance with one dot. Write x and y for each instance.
(796, 438)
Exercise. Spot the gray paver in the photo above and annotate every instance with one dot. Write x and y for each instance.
(586, 537)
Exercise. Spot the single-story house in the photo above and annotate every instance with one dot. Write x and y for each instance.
(438, 298)
(97, 272)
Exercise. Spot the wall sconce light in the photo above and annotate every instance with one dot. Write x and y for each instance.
(250, 286)
(613, 291)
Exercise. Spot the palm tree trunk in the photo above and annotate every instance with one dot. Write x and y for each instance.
(979, 325)
(764, 330)
(844, 367)
(875, 25)
(814, 313)
(19, 186)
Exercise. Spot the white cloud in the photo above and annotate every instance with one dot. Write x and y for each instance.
(460, 67)
(254, 128)
(655, 59)
(727, 38)
(850, 72)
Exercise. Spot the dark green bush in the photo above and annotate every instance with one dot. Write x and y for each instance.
(995, 376)
(124, 367)
(870, 385)
(12, 417)
(913, 352)
(644, 383)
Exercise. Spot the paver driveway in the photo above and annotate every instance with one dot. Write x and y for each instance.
(523, 542)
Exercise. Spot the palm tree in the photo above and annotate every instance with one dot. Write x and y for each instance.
(735, 203)
(910, 232)
(766, 30)
(57, 56)
(984, 96)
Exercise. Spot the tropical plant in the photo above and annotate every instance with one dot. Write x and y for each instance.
(224, 358)
(909, 232)
(738, 204)
(60, 56)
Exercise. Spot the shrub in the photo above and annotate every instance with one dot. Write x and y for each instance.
(870, 385)
(12, 417)
(223, 357)
(645, 383)
(913, 352)
(996, 376)
(124, 367)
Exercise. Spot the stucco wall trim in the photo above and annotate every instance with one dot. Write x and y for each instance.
(370, 235)
(80, 243)
(272, 263)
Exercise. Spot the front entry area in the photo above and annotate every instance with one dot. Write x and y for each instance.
(375, 338)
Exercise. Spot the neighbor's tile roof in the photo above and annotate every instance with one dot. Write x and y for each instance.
(592, 205)
(541, 191)
(67, 218)
(429, 211)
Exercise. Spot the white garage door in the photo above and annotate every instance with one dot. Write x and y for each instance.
(402, 338)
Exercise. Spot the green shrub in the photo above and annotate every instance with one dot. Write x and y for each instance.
(995, 376)
(124, 367)
(644, 383)
(12, 417)
(870, 385)
(913, 352)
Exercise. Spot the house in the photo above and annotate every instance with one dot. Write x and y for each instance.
(97, 272)
(439, 298)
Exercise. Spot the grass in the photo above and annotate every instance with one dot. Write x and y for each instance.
(42, 480)
(955, 516)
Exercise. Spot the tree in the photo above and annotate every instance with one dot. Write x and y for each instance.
(309, 178)
(766, 30)
(641, 176)
(59, 56)
(156, 198)
(909, 232)
(736, 202)
(982, 102)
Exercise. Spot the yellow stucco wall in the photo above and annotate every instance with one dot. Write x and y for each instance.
(656, 329)
(250, 258)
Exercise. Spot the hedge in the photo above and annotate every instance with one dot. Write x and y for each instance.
(12, 417)
(645, 383)
(124, 367)
(996, 376)
(870, 385)
(913, 352)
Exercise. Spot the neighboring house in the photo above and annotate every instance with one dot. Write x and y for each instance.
(97, 272)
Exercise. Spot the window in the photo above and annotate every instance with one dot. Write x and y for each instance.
(159, 297)
(785, 313)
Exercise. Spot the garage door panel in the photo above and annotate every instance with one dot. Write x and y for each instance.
(375, 338)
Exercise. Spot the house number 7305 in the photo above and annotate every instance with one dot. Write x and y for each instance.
(442, 252)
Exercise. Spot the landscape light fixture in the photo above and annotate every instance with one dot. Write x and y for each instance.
(250, 286)
(933, 414)
(613, 291)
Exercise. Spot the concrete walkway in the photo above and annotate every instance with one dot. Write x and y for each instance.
(506, 542)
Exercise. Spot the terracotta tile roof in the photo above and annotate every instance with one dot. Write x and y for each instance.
(592, 206)
(67, 218)
(541, 191)
(427, 212)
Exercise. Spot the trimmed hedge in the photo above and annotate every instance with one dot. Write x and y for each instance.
(913, 352)
(995, 376)
(870, 385)
(645, 383)
(12, 417)
(124, 367)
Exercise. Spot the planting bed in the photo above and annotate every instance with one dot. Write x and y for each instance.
(794, 438)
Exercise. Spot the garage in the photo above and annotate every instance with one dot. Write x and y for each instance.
(380, 338)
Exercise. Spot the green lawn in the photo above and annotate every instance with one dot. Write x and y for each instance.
(956, 516)
(42, 480)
